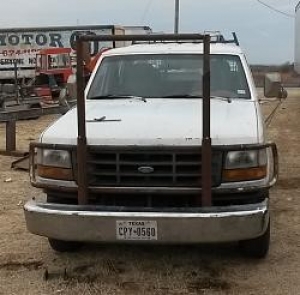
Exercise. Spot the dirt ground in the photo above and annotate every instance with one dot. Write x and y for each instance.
(29, 266)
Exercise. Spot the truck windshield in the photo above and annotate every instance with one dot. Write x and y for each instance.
(168, 75)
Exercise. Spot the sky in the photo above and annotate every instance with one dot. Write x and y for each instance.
(266, 36)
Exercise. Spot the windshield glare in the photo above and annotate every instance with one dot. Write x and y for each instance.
(167, 75)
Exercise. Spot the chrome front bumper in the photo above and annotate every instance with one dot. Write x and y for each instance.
(91, 223)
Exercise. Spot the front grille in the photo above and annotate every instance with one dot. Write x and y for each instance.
(149, 167)
(158, 201)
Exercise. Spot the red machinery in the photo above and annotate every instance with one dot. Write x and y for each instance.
(56, 62)
(53, 67)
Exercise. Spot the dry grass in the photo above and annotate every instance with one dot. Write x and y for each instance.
(29, 266)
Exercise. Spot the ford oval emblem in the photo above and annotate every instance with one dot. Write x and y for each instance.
(146, 169)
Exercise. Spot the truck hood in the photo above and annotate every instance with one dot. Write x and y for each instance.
(158, 122)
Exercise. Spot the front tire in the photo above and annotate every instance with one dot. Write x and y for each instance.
(64, 246)
(60, 245)
(258, 247)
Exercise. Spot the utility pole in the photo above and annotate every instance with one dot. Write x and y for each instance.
(176, 24)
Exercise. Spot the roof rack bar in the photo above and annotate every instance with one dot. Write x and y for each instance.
(150, 37)
(235, 38)
(217, 37)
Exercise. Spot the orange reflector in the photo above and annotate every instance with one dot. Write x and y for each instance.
(244, 174)
(55, 173)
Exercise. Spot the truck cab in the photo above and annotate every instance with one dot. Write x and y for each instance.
(144, 134)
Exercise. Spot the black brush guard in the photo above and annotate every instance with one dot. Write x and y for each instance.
(205, 197)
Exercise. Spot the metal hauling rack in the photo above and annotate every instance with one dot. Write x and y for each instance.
(205, 195)
(215, 37)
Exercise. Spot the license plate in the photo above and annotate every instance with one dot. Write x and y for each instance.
(136, 230)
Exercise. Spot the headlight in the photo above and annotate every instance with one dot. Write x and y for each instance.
(54, 158)
(246, 159)
(245, 165)
(54, 164)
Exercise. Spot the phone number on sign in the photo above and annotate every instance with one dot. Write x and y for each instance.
(14, 52)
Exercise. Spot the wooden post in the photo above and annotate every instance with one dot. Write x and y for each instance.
(10, 136)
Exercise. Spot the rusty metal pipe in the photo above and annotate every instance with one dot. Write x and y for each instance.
(157, 37)
(81, 139)
(206, 140)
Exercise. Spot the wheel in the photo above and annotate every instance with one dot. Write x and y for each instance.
(36, 105)
(64, 246)
(258, 247)
(59, 245)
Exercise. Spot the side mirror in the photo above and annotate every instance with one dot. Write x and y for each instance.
(273, 86)
(86, 52)
(72, 87)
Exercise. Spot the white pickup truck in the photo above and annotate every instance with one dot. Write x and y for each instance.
(144, 132)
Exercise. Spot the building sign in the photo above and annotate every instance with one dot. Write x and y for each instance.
(19, 49)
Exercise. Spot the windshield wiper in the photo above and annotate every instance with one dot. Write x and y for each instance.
(228, 99)
(103, 119)
(182, 96)
(117, 96)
